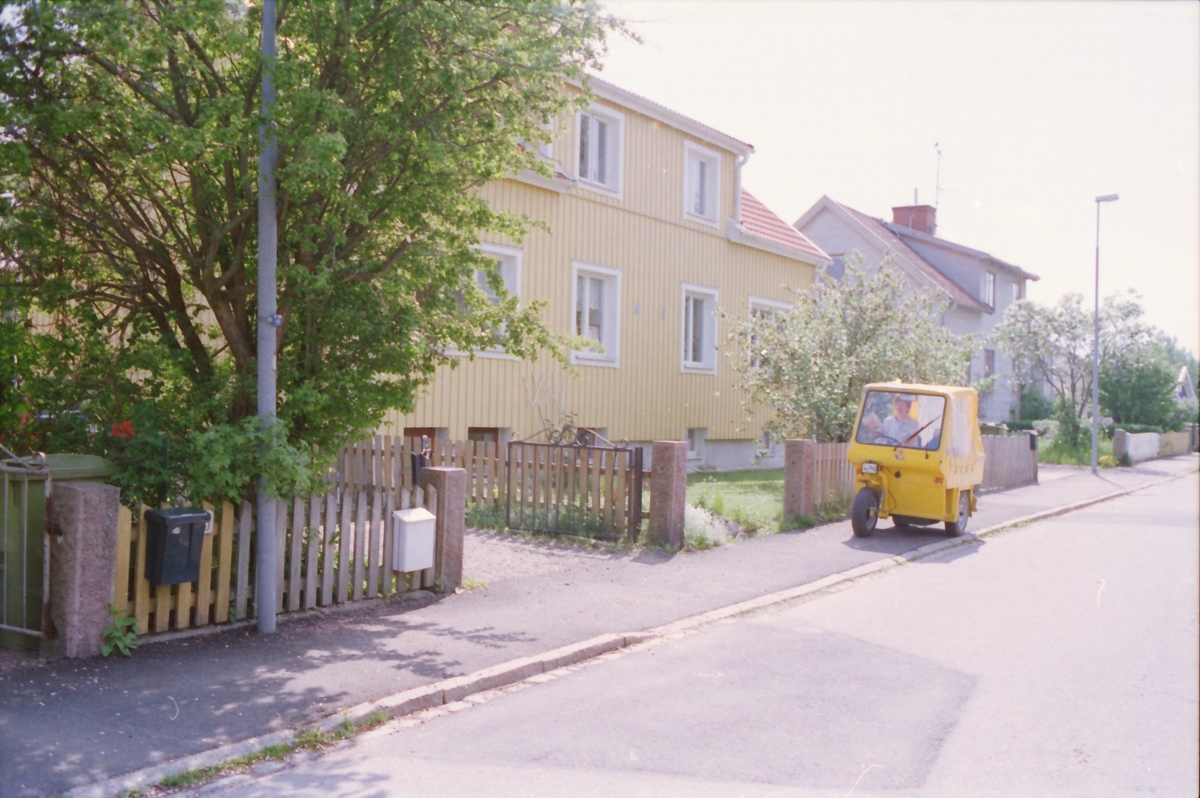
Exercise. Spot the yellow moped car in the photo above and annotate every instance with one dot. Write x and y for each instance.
(917, 455)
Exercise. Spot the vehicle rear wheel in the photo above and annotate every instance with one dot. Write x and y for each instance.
(959, 526)
(865, 513)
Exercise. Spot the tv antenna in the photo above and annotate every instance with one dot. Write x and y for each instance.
(937, 185)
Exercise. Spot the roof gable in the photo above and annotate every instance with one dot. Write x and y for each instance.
(891, 241)
(760, 221)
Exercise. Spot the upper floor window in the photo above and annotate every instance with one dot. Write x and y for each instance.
(596, 297)
(702, 183)
(699, 329)
(600, 149)
(987, 289)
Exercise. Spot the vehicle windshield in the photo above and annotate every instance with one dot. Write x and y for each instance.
(895, 418)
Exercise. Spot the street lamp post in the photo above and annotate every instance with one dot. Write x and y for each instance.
(268, 320)
(1096, 341)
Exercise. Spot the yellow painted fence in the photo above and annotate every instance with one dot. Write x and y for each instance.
(332, 549)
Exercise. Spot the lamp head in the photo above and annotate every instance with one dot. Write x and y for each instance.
(1107, 198)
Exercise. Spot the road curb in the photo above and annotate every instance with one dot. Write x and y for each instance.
(446, 691)
(454, 689)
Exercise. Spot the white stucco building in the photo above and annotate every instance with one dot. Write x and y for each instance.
(978, 286)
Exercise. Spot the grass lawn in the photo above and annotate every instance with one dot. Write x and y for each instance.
(1053, 455)
(754, 498)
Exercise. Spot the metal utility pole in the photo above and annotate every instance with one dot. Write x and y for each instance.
(268, 321)
(1096, 341)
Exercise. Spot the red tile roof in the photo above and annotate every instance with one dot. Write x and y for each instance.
(956, 292)
(758, 220)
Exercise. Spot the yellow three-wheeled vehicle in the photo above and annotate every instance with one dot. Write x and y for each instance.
(918, 456)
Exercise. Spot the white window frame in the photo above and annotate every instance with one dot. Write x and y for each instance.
(610, 322)
(762, 305)
(696, 438)
(712, 189)
(614, 159)
(510, 271)
(708, 334)
(987, 288)
(758, 303)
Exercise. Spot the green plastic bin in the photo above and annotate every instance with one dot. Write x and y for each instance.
(22, 547)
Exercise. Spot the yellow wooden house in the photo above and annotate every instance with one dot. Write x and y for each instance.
(650, 233)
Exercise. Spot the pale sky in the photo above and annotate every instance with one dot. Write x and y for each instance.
(1037, 107)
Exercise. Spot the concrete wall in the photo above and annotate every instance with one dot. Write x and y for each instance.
(1139, 446)
(1173, 443)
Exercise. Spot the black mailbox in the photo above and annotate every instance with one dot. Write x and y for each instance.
(174, 542)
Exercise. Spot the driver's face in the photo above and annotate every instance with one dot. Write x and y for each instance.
(901, 409)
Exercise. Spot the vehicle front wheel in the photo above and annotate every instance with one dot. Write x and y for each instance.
(959, 526)
(865, 513)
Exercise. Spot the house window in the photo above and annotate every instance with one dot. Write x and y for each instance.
(988, 289)
(1016, 291)
(508, 263)
(695, 438)
(699, 329)
(763, 309)
(596, 297)
(989, 363)
(600, 149)
(483, 434)
(836, 268)
(702, 184)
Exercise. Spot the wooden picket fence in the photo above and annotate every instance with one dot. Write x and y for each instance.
(332, 549)
(833, 477)
(386, 461)
(591, 491)
(1009, 462)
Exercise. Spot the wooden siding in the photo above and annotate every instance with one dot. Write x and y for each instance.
(645, 237)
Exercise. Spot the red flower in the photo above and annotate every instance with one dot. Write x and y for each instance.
(122, 430)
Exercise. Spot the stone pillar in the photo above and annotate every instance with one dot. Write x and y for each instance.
(451, 512)
(668, 493)
(1120, 443)
(83, 564)
(799, 470)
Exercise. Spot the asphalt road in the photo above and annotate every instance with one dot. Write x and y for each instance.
(1060, 658)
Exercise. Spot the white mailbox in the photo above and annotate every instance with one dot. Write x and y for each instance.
(415, 533)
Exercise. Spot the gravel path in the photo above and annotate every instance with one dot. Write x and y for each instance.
(491, 557)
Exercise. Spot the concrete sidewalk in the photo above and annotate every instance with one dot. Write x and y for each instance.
(70, 723)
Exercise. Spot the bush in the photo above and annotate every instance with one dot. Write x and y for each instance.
(1035, 404)
(1071, 435)
(701, 529)
(1109, 429)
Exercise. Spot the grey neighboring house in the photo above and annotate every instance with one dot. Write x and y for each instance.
(978, 286)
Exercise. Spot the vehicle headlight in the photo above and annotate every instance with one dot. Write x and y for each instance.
(870, 468)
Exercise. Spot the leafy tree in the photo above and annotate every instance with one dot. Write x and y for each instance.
(810, 363)
(1178, 356)
(1055, 343)
(1138, 388)
(128, 213)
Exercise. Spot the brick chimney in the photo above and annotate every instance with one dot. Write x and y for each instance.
(922, 218)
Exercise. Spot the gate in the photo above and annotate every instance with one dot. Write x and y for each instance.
(575, 489)
(24, 546)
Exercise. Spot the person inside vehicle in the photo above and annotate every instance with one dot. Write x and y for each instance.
(900, 426)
